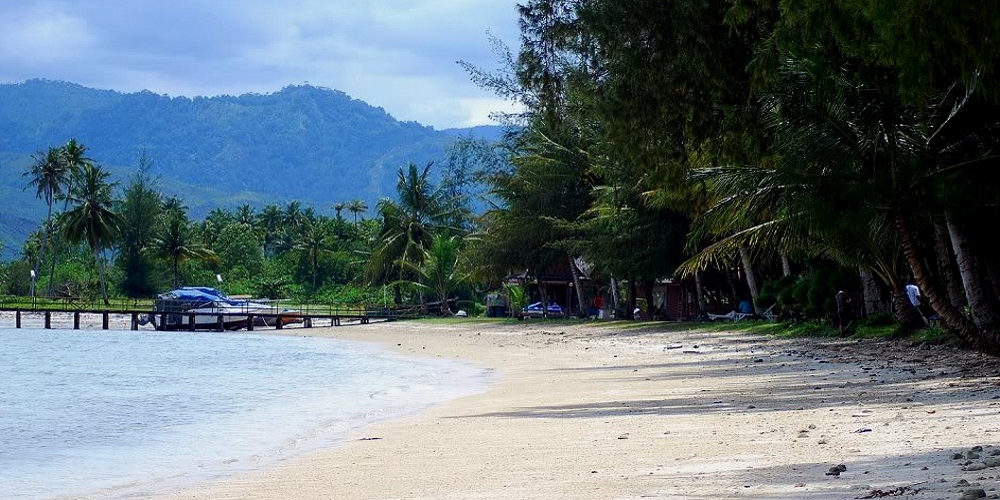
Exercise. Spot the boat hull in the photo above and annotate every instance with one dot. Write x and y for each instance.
(202, 321)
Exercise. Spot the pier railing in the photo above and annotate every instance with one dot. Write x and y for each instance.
(140, 313)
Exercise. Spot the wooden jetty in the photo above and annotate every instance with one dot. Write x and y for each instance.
(221, 321)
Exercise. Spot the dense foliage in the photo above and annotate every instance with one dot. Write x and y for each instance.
(757, 152)
(304, 143)
(768, 151)
(108, 237)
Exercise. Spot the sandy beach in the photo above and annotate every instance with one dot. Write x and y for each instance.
(615, 411)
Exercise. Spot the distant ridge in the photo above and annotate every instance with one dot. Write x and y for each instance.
(306, 143)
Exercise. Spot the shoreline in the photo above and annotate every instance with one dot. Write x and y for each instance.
(613, 411)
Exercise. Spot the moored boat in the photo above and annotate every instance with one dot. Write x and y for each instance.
(211, 309)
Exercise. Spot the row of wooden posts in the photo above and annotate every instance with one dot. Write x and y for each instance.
(307, 321)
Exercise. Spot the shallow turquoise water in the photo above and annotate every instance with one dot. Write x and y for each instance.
(114, 414)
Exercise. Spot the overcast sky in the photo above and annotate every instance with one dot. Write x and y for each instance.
(396, 54)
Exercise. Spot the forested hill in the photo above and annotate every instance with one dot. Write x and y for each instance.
(305, 143)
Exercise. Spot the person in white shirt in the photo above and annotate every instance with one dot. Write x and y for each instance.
(913, 292)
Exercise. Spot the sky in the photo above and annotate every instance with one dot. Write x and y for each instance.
(400, 55)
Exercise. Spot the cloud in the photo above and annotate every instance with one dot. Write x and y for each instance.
(396, 54)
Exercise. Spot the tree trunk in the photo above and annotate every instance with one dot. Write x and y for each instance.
(45, 247)
(100, 277)
(650, 307)
(699, 289)
(870, 293)
(580, 299)
(786, 265)
(910, 319)
(751, 279)
(55, 250)
(315, 264)
(952, 318)
(443, 293)
(176, 269)
(545, 299)
(615, 297)
(981, 310)
(631, 297)
(947, 269)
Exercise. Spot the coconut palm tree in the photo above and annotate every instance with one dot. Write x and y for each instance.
(269, 223)
(51, 177)
(826, 190)
(440, 271)
(313, 242)
(357, 206)
(408, 226)
(93, 219)
(245, 214)
(74, 156)
(176, 243)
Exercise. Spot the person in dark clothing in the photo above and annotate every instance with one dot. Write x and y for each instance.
(845, 316)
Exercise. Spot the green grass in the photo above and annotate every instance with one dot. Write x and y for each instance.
(801, 329)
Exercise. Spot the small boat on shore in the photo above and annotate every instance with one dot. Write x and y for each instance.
(208, 307)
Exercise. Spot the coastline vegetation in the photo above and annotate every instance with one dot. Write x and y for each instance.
(748, 149)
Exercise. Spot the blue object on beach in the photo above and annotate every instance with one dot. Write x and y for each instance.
(536, 309)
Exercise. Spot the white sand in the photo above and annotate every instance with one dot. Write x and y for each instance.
(618, 412)
(588, 411)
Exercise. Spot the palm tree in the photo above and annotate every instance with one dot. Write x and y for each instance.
(244, 214)
(174, 204)
(339, 207)
(50, 176)
(440, 272)
(823, 194)
(176, 243)
(269, 222)
(314, 241)
(92, 219)
(356, 207)
(210, 228)
(74, 156)
(293, 215)
(408, 226)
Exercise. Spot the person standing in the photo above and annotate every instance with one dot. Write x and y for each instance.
(599, 305)
(845, 316)
(913, 292)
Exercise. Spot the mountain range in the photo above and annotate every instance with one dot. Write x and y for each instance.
(312, 144)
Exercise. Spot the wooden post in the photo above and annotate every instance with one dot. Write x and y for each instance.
(250, 323)
(191, 322)
(76, 320)
(278, 323)
(135, 321)
(17, 319)
(48, 319)
(308, 323)
(219, 322)
(104, 320)
(336, 321)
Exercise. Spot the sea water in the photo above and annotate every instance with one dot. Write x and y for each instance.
(116, 414)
